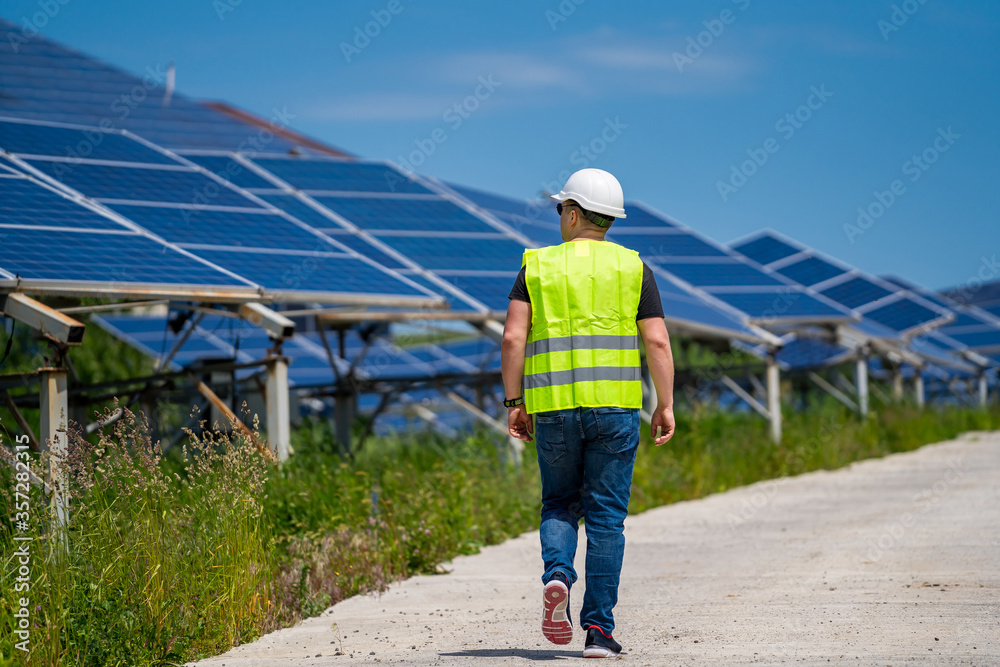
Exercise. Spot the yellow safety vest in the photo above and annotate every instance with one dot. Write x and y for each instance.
(583, 349)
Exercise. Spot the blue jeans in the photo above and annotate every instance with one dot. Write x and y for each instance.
(586, 457)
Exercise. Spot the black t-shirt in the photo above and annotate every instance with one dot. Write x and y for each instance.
(649, 297)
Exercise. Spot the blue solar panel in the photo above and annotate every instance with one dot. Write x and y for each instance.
(362, 246)
(304, 212)
(310, 272)
(810, 271)
(43, 80)
(902, 314)
(24, 202)
(993, 309)
(639, 217)
(785, 304)
(436, 253)
(720, 274)
(231, 170)
(979, 339)
(966, 319)
(766, 249)
(137, 184)
(90, 256)
(809, 353)
(405, 214)
(490, 290)
(856, 292)
(29, 139)
(226, 228)
(664, 246)
(320, 174)
(454, 302)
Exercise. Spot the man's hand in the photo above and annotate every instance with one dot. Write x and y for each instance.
(664, 419)
(519, 423)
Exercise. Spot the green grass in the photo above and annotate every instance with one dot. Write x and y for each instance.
(180, 556)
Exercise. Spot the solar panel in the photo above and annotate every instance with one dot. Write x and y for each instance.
(430, 215)
(335, 175)
(43, 80)
(495, 252)
(108, 256)
(765, 249)
(774, 306)
(72, 143)
(224, 224)
(810, 271)
(805, 353)
(902, 312)
(239, 229)
(309, 271)
(664, 246)
(132, 183)
(24, 202)
(856, 292)
(537, 220)
(230, 170)
(712, 274)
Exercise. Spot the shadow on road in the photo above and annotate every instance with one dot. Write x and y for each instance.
(554, 654)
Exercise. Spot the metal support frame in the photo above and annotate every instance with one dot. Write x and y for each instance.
(179, 343)
(54, 402)
(746, 396)
(897, 383)
(515, 446)
(774, 396)
(221, 406)
(918, 389)
(984, 389)
(861, 382)
(833, 391)
(25, 427)
(278, 417)
(50, 322)
(275, 324)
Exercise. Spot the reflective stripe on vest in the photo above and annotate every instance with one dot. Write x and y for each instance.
(583, 348)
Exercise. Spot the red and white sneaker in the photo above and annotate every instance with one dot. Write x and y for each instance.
(555, 613)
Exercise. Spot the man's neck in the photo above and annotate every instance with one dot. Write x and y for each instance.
(588, 236)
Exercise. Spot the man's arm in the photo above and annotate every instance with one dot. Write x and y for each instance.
(660, 360)
(515, 337)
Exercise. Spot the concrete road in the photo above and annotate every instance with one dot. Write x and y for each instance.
(887, 562)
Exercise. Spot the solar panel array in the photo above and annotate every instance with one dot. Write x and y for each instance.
(47, 236)
(703, 267)
(43, 80)
(182, 204)
(880, 301)
(428, 235)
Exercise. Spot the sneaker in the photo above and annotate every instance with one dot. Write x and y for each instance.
(555, 611)
(600, 645)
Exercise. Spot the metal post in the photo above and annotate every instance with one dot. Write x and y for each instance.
(278, 418)
(897, 383)
(918, 388)
(984, 389)
(774, 397)
(861, 383)
(54, 404)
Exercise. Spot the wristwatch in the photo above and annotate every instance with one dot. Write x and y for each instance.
(513, 402)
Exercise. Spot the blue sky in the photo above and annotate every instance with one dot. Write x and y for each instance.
(820, 107)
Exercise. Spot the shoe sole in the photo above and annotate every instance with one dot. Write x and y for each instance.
(555, 622)
(598, 652)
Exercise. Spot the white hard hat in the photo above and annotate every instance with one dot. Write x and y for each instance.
(594, 190)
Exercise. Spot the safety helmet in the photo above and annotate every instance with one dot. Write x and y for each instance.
(594, 190)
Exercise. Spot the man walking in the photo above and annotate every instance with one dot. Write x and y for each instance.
(570, 359)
